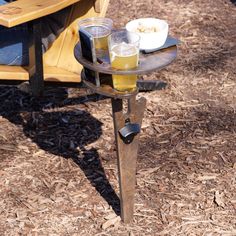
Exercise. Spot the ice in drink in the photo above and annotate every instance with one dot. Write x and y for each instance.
(124, 56)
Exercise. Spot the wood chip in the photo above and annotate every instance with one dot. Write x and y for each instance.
(110, 216)
(111, 222)
(206, 177)
(219, 199)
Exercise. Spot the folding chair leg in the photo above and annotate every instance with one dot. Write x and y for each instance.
(36, 58)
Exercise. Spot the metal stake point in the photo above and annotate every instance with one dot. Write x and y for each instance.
(127, 153)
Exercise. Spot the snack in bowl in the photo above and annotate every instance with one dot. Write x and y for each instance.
(153, 32)
(145, 29)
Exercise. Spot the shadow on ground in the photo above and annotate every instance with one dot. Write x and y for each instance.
(62, 133)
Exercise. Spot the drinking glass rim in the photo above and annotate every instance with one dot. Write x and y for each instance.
(96, 19)
(125, 31)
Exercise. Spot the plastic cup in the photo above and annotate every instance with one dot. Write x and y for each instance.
(100, 28)
(124, 55)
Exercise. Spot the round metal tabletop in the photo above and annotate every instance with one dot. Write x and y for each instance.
(147, 62)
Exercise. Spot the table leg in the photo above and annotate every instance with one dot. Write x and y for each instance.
(36, 58)
(127, 153)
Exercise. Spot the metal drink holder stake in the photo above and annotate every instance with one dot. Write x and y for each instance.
(127, 125)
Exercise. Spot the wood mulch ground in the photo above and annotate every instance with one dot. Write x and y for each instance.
(58, 173)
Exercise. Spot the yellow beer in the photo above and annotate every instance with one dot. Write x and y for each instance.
(124, 56)
(100, 34)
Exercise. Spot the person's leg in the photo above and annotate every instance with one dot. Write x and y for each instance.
(13, 44)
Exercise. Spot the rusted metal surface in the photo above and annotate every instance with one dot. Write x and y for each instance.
(126, 145)
(127, 153)
(107, 90)
(147, 62)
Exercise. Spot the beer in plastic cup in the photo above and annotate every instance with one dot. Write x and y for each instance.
(100, 28)
(124, 55)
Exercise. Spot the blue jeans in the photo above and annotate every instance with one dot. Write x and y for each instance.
(14, 44)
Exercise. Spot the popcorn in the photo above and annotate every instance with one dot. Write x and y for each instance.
(145, 29)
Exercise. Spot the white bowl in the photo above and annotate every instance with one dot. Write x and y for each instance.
(155, 35)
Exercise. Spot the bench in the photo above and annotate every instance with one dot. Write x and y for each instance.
(57, 64)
